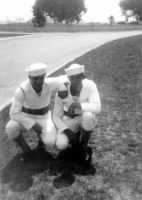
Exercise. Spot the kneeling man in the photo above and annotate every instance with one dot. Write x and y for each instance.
(76, 106)
(30, 108)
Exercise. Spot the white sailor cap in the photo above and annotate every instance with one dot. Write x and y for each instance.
(74, 69)
(36, 69)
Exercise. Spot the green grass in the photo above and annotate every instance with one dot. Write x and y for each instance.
(116, 68)
(28, 27)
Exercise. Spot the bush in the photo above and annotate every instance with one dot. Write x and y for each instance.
(134, 22)
(39, 22)
(121, 22)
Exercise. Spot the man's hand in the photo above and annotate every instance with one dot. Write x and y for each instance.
(74, 110)
(37, 128)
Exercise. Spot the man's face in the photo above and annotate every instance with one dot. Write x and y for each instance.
(76, 79)
(37, 82)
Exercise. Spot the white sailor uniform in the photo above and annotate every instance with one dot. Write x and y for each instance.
(89, 100)
(28, 107)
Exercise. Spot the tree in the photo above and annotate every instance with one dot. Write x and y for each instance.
(39, 18)
(111, 20)
(62, 10)
(131, 8)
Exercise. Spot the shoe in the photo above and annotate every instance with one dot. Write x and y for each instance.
(41, 146)
(27, 156)
(64, 180)
(88, 155)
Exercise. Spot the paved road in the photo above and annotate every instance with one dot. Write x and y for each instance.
(55, 49)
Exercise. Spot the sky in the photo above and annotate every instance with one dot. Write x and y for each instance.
(98, 10)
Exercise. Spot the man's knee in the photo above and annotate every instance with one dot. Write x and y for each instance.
(12, 129)
(62, 142)
(49, 138)
(88, 121)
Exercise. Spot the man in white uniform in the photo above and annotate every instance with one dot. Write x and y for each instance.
(76, 106)
(30, 108)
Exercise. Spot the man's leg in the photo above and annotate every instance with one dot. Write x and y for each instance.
(66, 178)
(84, 139)
(69, 136)
(14, 132)
(87, 126)
(48, 136)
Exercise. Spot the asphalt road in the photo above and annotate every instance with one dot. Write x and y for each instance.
(55, 49)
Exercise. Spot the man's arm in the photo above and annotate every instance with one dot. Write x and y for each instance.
(94, 103)
(58, 113)
(16, 110)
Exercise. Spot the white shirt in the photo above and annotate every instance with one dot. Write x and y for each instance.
(26, 96)
(89, 100)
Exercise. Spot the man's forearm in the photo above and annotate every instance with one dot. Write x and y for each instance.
(91, 107)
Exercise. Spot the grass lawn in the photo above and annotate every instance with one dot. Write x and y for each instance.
(116, 68)
(28, 27)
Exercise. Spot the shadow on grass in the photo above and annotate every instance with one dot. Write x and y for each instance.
(18, 172)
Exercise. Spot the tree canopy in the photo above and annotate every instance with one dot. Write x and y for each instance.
(132, 8)
(39, 19)
(67, 11)
(111, 20)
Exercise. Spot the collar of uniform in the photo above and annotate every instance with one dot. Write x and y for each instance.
(43, 88)
(32, 89)
(69, 84)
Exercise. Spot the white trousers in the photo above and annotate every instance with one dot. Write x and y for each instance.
(87, 121)
(14, 128)
(50, 136)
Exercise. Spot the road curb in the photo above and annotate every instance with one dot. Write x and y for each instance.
(15, 37)
(5, 105)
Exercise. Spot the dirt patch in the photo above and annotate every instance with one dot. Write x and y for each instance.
(117, 145)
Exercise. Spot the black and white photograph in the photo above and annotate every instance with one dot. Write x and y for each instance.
(71, 100)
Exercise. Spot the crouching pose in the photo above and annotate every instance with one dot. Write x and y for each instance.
(30, 108)
(76, 105)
